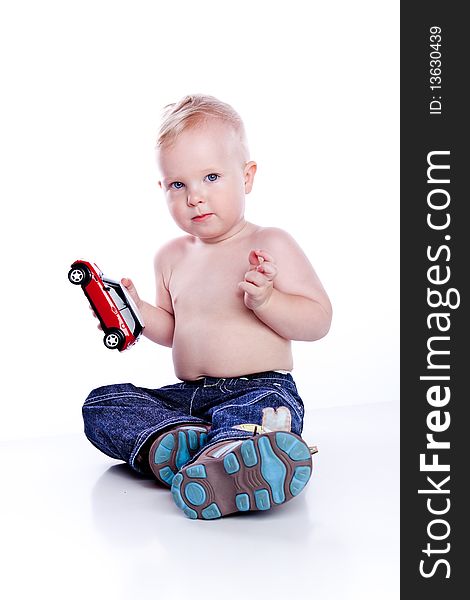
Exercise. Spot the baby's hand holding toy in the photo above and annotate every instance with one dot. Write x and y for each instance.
(115, 304)
(130, 287)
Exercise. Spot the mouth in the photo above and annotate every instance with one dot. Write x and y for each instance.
(201, 218)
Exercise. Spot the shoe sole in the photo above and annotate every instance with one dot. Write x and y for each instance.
(173, 449)
(261, 472)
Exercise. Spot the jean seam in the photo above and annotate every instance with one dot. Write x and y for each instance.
(223, 387)
(116, 396)
(273, 380)
(172, 386)
(216, 384)
(254, 401)
(191, 403)
(285, 381)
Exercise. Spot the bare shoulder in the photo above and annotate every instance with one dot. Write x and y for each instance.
(277, 239)
(170, 252)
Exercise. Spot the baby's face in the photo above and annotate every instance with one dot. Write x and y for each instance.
(204, 177)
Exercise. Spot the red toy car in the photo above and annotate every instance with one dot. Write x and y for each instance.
(111, 303)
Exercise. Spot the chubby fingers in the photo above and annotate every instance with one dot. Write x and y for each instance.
(256, 278)
(262, 262)
(257, 289)
(269, 270)
(258, 257)
(253, 289)
(257, 283)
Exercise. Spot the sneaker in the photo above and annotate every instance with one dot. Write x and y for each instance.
(243, 475)
(172, 449)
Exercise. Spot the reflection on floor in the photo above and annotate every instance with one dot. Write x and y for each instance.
(80, 525)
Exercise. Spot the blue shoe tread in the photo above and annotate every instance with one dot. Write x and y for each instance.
(292, 446)
(211, 512)
(187, 442)
(248, 452)
(182, 454)
(193, 442)
(195, 493)
(242, 501)
(273, 470)
(167, 475)
(189, 512)
(164, 449)
(262, 500)
(196, 471)
(178, 498)
(231, 464)
(299, 480)
(175, 491)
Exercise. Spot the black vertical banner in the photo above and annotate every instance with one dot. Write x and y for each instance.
(435, 267)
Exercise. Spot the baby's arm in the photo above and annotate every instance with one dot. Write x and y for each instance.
(158, 320)
(284, 291)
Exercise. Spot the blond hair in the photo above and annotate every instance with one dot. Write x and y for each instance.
(196, 110)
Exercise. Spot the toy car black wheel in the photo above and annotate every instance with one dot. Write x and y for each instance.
(114, 339)
(79, 275)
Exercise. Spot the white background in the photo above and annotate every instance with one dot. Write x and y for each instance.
(83, 88)
(83, 85)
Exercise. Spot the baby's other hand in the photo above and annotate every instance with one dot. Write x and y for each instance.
(258, 283)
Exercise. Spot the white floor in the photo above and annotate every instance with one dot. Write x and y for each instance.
(76, 524)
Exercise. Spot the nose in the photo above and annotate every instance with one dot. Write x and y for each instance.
(195, 197)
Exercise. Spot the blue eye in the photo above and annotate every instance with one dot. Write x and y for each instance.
(176, 185)
(212, 177)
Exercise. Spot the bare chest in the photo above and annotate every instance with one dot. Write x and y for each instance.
(207, 279)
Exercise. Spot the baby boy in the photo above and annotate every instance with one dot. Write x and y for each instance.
(230, 297)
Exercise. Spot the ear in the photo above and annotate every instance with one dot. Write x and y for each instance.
(160, 184)
(249, 175)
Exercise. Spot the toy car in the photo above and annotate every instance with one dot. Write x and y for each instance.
(116, 311)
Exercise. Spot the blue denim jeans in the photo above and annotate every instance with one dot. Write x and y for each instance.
(122, 420)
